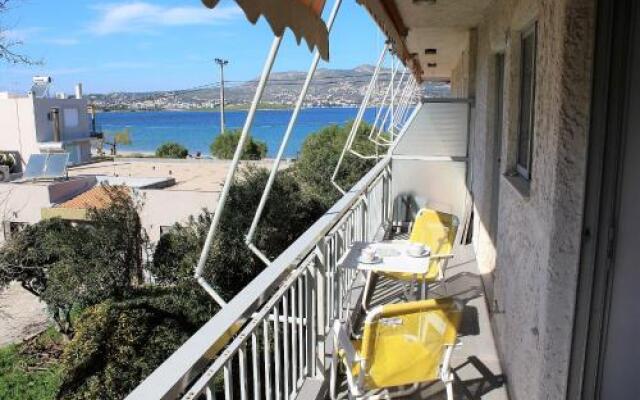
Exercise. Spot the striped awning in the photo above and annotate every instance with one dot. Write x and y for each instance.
(303, 17)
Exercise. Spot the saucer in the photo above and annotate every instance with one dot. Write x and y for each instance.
(374, 260)
(425, 252)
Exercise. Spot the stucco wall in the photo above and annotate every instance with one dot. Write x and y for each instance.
(166, 207)
(531, 269)
(17, 127)
(45, 127)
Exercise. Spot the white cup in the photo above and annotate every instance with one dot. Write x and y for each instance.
(368, 255)
(416, 249)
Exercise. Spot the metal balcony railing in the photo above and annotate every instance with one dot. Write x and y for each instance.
(269, 341)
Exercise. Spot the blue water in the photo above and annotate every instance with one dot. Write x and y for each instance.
(196, 130)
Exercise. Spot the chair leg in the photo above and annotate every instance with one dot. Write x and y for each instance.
(333, 374)
(449, 387)
(367, 288)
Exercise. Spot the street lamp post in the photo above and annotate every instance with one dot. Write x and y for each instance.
(222, 64)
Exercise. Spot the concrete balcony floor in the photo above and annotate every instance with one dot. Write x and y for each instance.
(475, 363)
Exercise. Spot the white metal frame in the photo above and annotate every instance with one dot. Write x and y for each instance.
(358, 120)
(285, 141)
(222, 201)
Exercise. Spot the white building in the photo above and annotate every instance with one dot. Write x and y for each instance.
(31, 124)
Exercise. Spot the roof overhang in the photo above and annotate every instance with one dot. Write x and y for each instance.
(388, 18)
(429, 36)
(303, 17)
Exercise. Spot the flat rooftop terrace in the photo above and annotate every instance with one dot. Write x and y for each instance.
(189, 175)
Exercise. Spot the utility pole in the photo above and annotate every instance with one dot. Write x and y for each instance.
(222, 64)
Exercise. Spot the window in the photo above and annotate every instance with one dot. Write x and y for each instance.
(71, 117)
(527, 102)
(12, 228)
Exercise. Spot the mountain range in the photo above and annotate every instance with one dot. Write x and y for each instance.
(329, 88)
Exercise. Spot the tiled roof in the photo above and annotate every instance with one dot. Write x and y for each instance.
(98, 197)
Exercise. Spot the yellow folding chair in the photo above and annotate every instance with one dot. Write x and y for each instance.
(402, 344)
(437, 231)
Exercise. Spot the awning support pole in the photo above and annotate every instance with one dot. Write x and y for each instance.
(386, 117)
(382, 105)
(406, 126)
(285, 140)
(273, 52)
(358, 120)
(406, 102)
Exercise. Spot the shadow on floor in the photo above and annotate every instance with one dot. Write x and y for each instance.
(475, 388)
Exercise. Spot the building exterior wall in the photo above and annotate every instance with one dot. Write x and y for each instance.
(70, 131)
(531, 268)
(18, 128)
(26, 125)
(163, 208)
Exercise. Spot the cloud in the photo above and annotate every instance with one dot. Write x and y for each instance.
(146, 17)
(20, 35)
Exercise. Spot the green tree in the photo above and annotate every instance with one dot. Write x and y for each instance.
(119, 343)
(78, 265)
(31, 256)
(231, 265)
(224, 146)
(172, 150)
(319, 157)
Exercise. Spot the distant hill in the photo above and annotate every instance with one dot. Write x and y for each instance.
(330, 87)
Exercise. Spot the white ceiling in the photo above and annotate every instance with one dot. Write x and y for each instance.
(443, 25)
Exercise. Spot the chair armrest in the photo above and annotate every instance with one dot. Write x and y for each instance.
(343, 344)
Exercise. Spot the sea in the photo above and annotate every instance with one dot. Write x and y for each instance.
(196, 130)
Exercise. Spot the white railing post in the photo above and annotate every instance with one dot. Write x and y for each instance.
(320, 272)
(273, 52)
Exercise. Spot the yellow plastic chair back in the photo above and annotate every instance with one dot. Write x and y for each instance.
(405, 343)
(436, 230)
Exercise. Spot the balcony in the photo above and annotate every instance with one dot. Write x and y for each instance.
(273, 340)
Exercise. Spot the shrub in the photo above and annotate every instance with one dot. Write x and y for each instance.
(172, 150)
(224, 146)
(319, 157)
(119, 343)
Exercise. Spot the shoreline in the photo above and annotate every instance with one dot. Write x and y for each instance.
(227, 109)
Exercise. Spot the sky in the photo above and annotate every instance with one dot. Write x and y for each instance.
(146, 45)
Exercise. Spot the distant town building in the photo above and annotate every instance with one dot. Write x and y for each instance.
(38, 123)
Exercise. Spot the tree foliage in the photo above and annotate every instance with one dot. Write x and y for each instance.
(172, 150)
(231, 265)
(119, 343)
(78, 265)
(8, 53)
(319, 157)
(224, 146)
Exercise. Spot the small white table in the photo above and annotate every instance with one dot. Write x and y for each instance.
(393, 258)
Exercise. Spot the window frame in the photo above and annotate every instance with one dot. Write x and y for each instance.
(522, 170)
(12, 228)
